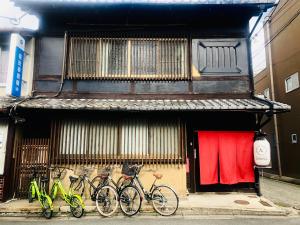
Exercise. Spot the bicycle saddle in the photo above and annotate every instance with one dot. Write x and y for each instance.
(157, 175)
(44, 179)
(73, 179)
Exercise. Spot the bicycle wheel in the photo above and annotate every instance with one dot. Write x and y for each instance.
(31, 193)
(164, 200)
(130, 200)
(97, 182)
(76, 207)
(47, 207)
(107, 200)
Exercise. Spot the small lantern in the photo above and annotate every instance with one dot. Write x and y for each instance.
(262, 152)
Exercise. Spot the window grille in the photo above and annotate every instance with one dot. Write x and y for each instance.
(107, 141)
(127, 58)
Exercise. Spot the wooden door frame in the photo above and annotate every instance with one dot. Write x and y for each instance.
(190, 154)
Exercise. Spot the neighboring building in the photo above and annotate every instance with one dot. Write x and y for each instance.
(283, 49)
(6, 124)
(145, 82)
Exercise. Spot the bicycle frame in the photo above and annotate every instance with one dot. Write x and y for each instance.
(136, 181)
(64, 195)
(36, 192)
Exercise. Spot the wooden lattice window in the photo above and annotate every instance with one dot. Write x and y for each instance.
(117, 58)
(111, 141)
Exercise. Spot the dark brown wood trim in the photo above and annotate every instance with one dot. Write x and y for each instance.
(36, 63)
(9, 162)
(48, 77)
(190, 155)
(222, 77)
(146, 96)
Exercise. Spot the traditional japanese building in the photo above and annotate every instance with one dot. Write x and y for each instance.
(168, 85)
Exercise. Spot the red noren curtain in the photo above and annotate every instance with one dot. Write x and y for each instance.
(226, 157)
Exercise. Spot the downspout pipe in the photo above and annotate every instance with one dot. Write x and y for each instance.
(270, 113)
(271, 71)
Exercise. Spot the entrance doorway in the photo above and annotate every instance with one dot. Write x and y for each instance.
(223, 161)
(28, 153)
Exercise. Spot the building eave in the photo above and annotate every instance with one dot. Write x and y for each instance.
(144, 105)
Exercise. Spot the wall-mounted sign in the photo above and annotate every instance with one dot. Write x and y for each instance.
(15, 66)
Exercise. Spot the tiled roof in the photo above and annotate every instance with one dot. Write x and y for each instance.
(153, 105)
(6, 103)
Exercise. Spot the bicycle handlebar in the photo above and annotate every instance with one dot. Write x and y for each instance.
(60, 170)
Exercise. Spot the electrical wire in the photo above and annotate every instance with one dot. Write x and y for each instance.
(271, 16)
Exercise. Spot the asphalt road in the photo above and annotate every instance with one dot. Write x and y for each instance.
(154, 220)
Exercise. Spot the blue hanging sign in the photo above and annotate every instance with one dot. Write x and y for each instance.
(15, 65)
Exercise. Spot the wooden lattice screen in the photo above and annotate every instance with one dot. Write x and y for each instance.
(29, 153)
(127, 58)
(113, 142)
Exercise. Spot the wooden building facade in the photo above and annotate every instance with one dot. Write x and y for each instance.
(147, 83)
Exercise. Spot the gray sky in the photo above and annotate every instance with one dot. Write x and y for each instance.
(9, 15)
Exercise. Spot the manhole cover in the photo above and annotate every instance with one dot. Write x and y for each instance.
(264, 203)
(241, 202)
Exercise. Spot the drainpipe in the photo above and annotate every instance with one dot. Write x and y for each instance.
(269, 50)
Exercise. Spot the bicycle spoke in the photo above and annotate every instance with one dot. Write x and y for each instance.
(107, 201)
(164, 200)
(130, 200)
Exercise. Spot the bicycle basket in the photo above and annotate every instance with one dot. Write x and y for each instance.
(105, 171)
(56, 171)
(128, 170)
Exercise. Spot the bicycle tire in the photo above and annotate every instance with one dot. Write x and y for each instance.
(103, 201)
(127, 198)
(47, 205)
(29, 194)
(76, 201)
(161, 195)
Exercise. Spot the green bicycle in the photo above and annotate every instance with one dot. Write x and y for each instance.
(75, 201)
(35, 192)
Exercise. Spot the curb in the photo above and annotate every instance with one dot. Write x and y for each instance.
(198, 211)
(281, 178)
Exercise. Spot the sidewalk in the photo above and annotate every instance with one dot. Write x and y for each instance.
(282, 193)
(194, 204)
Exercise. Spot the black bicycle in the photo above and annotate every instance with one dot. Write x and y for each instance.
(164, 199)
(103, 189)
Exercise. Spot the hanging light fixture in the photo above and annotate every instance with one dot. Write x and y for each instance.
(262, 151)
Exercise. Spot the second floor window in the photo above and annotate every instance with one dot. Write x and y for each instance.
(116, 58)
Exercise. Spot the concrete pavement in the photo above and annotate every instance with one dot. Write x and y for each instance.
(279, 199)
(281, 193)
